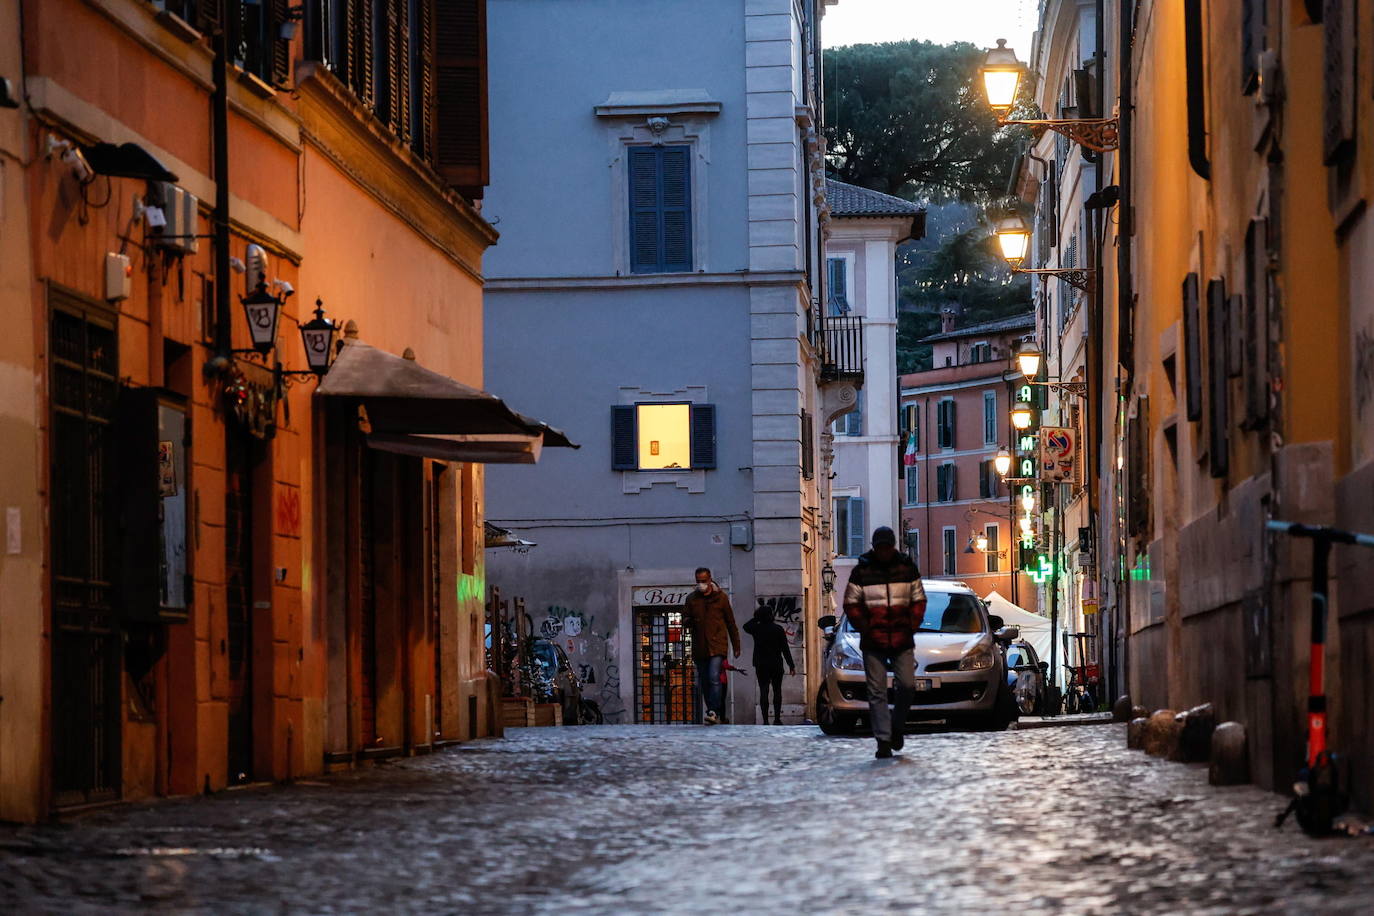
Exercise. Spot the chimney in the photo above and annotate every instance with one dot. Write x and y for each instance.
(946, 320)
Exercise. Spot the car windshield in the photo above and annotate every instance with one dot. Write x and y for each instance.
(951, 613)
(945, 613)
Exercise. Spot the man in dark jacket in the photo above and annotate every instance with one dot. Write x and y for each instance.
(711, 620)
(770, 651)
(886, 602)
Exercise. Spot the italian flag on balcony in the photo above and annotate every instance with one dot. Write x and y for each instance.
(909, 456)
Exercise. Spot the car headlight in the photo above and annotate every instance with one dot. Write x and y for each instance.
(847, 658)
(977, 660)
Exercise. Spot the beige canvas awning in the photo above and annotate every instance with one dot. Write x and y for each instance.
(412, 410)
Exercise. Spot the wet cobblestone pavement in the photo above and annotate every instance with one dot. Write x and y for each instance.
(729, 819)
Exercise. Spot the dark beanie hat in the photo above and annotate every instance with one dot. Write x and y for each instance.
(884, 535)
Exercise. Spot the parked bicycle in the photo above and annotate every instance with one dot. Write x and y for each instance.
(1083, 682)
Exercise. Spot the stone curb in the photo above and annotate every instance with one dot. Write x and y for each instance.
(1097, 718)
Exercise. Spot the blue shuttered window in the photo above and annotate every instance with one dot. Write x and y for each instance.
(660, 209)
(857, 538)
(625, 437)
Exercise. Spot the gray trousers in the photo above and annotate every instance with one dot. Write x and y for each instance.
(904, 674)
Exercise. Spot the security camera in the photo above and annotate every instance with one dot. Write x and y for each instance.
(285, 288)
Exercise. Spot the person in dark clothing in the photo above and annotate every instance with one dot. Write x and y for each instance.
(770, 651)
(711, 621)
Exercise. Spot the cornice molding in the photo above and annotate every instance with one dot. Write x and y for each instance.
(639, 281)
(346, 133)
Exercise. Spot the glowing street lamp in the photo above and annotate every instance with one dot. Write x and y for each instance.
(1002, 463)
(1001, 77)
(1022, 414)
(1028, 358)
(1013, 238)
(980, 543)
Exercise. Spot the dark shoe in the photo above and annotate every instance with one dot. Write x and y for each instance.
(884, 750)
(777, 720)
(898, 740)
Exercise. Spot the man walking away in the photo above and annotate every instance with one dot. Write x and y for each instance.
(770, 651)
(711, 620)
(885, 602)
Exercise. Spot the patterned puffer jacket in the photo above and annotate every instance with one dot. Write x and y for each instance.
(885, 603)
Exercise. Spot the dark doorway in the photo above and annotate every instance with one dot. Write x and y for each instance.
(85, 644)
(242, 454)
(665, 682)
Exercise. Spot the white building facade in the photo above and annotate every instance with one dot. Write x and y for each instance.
(864, 445)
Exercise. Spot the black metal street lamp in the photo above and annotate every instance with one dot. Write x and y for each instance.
(828, 577)
(1014, 239)
(1001, 80)
(263, 311)
(318, 335)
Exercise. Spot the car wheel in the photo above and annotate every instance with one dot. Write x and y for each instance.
(830, 721)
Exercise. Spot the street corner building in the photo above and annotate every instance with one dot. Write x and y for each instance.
(658, 183)
(244, 424)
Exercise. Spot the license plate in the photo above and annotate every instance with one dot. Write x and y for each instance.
(927, 683)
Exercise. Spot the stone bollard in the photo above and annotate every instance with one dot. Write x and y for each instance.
(1229, 764)
(1195, 734)
(1139, 712)
(1121, 709)
(1135, 731)
(1160, 735)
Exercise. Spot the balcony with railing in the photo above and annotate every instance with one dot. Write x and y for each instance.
(840, 340)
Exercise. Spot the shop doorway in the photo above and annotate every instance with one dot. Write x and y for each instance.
(242, 455)
(85, 640)
(665, 677)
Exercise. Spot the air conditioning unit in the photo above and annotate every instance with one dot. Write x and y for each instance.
(180, 210)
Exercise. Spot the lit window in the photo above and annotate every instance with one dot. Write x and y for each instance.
(665, 436)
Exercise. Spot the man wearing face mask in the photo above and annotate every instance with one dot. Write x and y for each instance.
(711, 620)
(885, 602)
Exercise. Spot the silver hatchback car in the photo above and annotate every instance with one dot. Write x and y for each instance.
(961, 673)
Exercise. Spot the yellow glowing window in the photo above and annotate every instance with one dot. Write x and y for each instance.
(665, 435)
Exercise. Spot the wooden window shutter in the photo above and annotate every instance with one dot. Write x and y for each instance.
(857, 535)
(401, 70)
(1138, 469)
(644, 248)
(1192, 348)
(280, 48)
(984, 479)
(703, 435)
(424, 144)
(460, 86)
(1218, 419)
(1338, 84)
(1255, 359)
(1252, 42)
(677, 208)
(209, 14)
(364, 62)
(808, 448)
(624, 448)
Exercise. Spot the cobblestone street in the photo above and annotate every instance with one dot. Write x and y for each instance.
(731, 819)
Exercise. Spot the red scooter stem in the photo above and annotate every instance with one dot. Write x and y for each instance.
(1322, 539)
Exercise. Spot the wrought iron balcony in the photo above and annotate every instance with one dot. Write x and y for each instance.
(841, 345)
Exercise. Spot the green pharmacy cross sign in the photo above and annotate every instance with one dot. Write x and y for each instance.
(1041, 570)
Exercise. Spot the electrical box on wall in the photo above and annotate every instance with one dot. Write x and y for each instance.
(742, 535)
(119, 277)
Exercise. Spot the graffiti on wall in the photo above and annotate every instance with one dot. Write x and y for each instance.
(787, 613)
(590, 650)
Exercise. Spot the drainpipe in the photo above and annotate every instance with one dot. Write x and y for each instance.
(219, 131)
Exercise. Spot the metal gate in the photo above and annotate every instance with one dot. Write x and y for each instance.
(665, 682)
(85, 646)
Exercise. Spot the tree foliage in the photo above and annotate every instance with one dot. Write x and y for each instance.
(909, 118)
